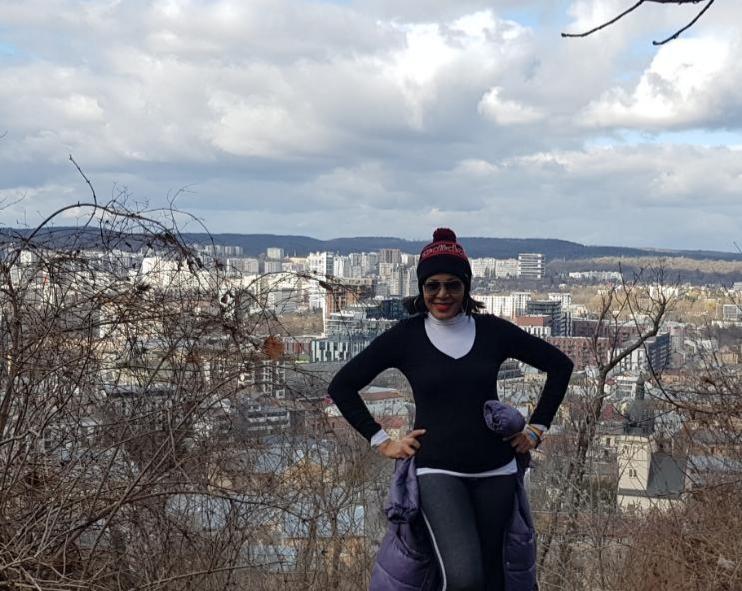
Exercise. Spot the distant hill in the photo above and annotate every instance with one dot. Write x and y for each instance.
(255, 244)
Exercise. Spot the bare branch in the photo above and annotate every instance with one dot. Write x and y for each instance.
(87, 180)
(686, 27)
(606, 24)
(637, 5)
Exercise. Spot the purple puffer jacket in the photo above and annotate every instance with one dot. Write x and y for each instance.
(406, 559)
(519, 547)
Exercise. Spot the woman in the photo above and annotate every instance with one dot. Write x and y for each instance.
(451, 358)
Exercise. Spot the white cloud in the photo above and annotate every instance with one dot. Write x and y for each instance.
(684, 85)
(264, 127)
(373, 114)
(476, 168)
(506, 112)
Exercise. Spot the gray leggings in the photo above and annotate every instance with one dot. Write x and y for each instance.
(466, 518)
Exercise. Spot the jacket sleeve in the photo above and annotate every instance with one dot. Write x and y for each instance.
(358, 373)
(544, 356)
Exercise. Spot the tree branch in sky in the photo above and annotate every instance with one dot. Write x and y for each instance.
(637, 5)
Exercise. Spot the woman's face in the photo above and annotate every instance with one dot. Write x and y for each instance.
(444, 295)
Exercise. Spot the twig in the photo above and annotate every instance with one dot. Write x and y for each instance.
(686, 27)
(606, 24)
(87, 180)
(637, 5)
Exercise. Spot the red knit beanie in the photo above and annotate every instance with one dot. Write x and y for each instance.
(444, 255)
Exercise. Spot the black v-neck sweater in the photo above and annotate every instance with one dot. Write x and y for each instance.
(450, 393)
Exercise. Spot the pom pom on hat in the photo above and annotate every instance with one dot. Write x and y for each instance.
(444, 235)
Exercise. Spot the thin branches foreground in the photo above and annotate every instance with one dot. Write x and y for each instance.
(637, 5)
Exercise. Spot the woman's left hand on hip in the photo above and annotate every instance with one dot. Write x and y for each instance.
(521, 442)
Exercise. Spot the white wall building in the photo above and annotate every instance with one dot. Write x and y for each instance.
(520, 301)
(316, 296)
(370, 263)
(409, 282)
(647, 476)
(506, 267)
(509, 305)
(243, 265)
(272, 266)
(500, 305)
(483, 267)
(565, 298)
(321, 263)
(410, 260)
(669, 291)
(391, 275)
(284, 301)
(341, 266)
(531, 265)
(390, 255)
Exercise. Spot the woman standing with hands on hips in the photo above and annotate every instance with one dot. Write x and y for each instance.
(451, 357)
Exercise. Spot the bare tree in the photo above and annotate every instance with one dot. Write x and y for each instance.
(129, 457)
(630, 314)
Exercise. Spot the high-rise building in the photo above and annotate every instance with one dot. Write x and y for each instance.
(565, 298)
(551, 308)
(677, 337)
(390, 255)
(391, 274)
(410, 260)
(658, 351)
(341, 266)
(409, 282)
(321, 263)
(655, 354)
(520, 301)
(233, 251)
(349, 292)
(284, 301)
(272, 266)
(370, 263)
(580, 350)
(586, 327)
(274, 253)
(531, 265)
(249, 266)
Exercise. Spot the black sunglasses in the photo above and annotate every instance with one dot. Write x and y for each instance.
(453, 286)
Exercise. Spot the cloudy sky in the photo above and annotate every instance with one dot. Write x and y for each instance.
(380, 117)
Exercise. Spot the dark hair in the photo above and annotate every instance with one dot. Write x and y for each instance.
(416, 305)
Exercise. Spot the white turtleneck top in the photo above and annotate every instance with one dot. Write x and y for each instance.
(454, 336)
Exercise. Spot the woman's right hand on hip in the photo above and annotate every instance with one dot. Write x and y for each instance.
(402, 448)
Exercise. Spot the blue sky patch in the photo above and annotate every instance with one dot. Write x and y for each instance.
(7, 48)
